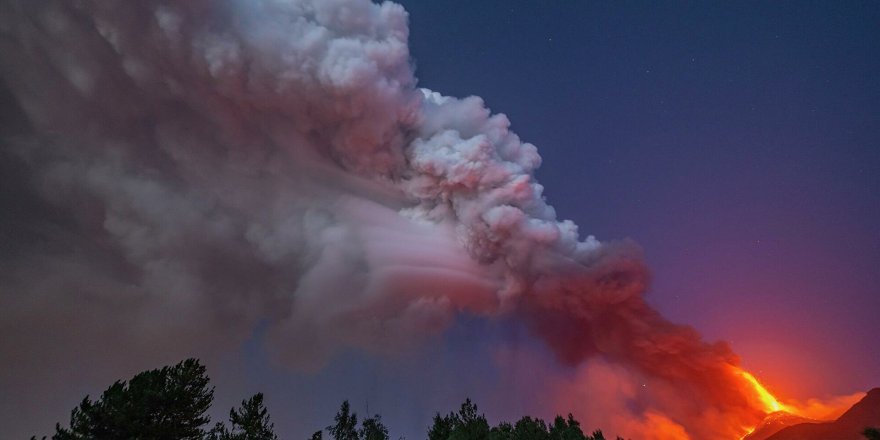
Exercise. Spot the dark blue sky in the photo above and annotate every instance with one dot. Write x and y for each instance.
(738, 143)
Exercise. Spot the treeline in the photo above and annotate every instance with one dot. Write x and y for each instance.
(167, 403)
(171, 403)
(466, 424)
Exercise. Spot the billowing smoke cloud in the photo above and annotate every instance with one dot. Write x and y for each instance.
(191, 168)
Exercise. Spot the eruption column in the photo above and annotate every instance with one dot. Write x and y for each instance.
(197, 167)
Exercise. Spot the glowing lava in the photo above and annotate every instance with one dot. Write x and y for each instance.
(769, 402)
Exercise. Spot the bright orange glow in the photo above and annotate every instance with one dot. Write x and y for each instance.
(768, 400)
(813, 409)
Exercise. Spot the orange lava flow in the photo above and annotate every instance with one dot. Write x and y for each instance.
(770, 403)
(812, 409)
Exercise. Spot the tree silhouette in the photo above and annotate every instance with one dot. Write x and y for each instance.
(528, 428)
(345, 426)
(167, 403)
(170, 404)
(251, 422)
(566, 429)
(871, 433)
(373, 429)
(504, 431)
(441, 429)
(469, 424)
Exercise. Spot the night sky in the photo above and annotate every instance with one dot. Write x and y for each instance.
(737, 144)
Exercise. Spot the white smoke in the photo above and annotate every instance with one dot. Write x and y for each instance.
(230, 161)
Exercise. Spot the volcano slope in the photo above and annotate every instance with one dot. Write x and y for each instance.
(849, 426)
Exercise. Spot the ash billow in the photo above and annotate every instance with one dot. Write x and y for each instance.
(191, 168)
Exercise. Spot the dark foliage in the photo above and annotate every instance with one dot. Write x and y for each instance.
(469, 424)
(250, 422)
(871, 433)
(171, 404)
(373, 429)
(168, 403)
(441, 429)
(566, 429)
(345, 426)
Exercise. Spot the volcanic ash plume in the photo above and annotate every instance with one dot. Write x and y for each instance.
(187, 169)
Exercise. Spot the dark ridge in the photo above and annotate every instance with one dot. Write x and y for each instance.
(865, 413)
